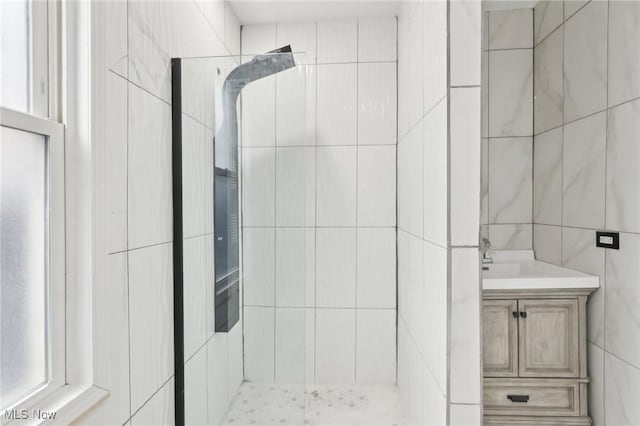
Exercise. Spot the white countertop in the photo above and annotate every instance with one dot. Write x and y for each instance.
(517, 269)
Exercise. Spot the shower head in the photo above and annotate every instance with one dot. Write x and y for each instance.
(259, 67)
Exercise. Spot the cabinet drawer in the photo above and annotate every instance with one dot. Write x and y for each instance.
(531, 397)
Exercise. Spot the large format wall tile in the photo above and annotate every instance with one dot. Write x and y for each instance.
(151, 324)
(337, 104)
(195, 389)
(595, 370)
(336, 186)
(294, 345)
(336, 267)
(259, 113)
(580, 253)
(258, 186)
(623, 173)
(295, 267)
(377, 103)
(511, 236)
(198, 282)
(435, 154)
(622, 384)
(159, 409)
(376, 346)
(149, 184)
(622, 322)
(335, 346)
(510, 182)
(376, 268)
(376, 187)
(259, 329)
(295, 186)
(547, 177)
(337, 41)
(377, 39)
(257, 39)
(217, 361)
(547, 243)
(572, 6)
(435, 56)
(465, 42)
(296, 106)
(585, 61)
(624, 51)
(583, 172)
(259, 266)
(301, 36)
(511, 98)
(547, 82)
(547, 15)
(511, 29)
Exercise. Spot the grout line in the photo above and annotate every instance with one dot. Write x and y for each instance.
(355, 343)
(152, 395)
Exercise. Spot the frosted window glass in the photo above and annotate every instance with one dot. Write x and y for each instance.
(14, 54)
(23, 268)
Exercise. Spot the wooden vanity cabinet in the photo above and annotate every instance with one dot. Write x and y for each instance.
(534, 357)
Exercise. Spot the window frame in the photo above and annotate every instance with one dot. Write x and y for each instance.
(56, 303)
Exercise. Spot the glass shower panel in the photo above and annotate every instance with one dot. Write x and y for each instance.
(244, 277)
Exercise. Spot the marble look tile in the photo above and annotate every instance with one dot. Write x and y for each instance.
(336, 186)
(547, 177)
(377, 103)
(197, 284)
(435, 53)
(547, 15)
(335, 346)
(510, 182)
(547, 82)
(258, 262)
(295, 338)
(511, 237)
(511, 93)
(622, 384)
(464, 142)
(195, 389)
(151, 320)
(115, 54)
(257, 39)
(579, 252)
(197, 178)
(624, 51)
(465, 414)
(259, 113)
(337, 122)
(435, 152)
(377, 39)
(337, 41)
(583, 172)
(295, 267)
(465, 359)
(116, 162)
(231, 30)
(547, 243)
(376, 268)
(336, 267)
(296, 106)
(572, 6)
(511, 29)
(200, 80)
(376, 191)
(623, 174)
(149, 165)
(259, 338)
(465, 42)
(622, 323)
(295, 186)
(213, 10)
(302, 38)
(585, 61)
(595, 370)
(160, 409)
(376, 346)
(111, 343)
(217, 377)
(258, 186)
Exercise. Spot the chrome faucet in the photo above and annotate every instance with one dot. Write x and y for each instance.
(486, 246)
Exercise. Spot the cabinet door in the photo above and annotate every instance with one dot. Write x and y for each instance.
(500, 338)
(548, 337)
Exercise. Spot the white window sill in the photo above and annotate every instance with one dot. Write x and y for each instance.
(68, 404)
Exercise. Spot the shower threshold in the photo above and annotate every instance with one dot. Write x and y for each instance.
(269, 404)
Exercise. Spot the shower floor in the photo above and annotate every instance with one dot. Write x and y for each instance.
(275, 404)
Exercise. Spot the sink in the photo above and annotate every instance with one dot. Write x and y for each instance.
(518, 269)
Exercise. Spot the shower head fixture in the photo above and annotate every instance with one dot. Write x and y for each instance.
(260, 66)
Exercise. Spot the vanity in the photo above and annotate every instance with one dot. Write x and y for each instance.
(534, 341)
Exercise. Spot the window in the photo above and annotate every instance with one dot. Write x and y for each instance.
(32, 253)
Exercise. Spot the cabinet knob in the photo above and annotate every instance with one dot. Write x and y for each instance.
(515, 314)
(518, 398)
(523, 314)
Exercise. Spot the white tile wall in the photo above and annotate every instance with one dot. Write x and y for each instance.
(196, 404)
(510, 29)
(335, 346)
(336, 186)
(547, 177)
(376, 268)
(197, 285)
(259, 266)
(465, 42)
(217, 377)
(295, 267)
(259, 113)
(160, 409)
(623, 73)
(622, 384)
(377, 103)
(547, 17)
(259, 329)
(377, 39)
(376, 186)
(337, 104)
(258, 186)
(376, 346)
(337, 41)
(336, 267)
(294, 350)
(295, 186)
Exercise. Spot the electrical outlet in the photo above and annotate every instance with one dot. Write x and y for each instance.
(609, 240)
